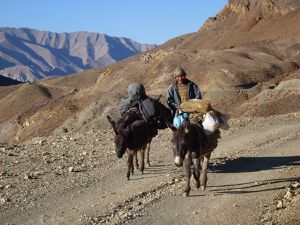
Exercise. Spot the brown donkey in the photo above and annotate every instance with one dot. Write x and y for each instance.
(132, 137)
(192, 146)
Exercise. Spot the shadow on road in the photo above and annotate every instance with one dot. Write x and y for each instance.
(254, 164)
(252, 187)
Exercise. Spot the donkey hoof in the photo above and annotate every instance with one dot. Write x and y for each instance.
(202, 188)
(185, 194)
(197, 185)
(148, 164)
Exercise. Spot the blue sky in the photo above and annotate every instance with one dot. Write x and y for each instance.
(145, 21)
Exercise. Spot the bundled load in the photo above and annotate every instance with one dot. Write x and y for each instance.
(210, 122)
(200, 111)
(195, 106)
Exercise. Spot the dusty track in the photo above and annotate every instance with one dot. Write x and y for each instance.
(77, 179)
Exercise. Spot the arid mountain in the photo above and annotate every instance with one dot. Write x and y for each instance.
(245, 59)
(28, 54)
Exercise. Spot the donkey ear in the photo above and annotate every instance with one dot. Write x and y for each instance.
(111, 120)
(113, 124)
(185, 128)
(171, 126)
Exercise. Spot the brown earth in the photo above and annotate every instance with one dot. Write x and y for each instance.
(76, 178)
(238, 58)
(59, 166)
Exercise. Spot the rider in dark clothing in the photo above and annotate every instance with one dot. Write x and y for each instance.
(136, 94)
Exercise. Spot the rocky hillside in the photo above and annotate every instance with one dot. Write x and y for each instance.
(28, 54)
(263, 8)
(245, 59)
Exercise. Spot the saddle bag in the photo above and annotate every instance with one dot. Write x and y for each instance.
(210, 122)
(180, 118)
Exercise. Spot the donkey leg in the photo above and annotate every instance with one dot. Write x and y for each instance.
(142, 153)
(187, 173)
(147, 154)
(203, 176)
(196, 171)
(136, 160)
(129, 163)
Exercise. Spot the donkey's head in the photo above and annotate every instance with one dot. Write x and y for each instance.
(121, 137)
(181, 142)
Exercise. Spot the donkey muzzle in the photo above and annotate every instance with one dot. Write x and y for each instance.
(178, 161)
(119, 153)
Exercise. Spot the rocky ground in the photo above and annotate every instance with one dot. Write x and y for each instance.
(76, 178)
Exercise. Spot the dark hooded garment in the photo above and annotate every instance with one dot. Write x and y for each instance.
(136, 93)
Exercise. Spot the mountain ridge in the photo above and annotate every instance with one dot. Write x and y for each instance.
(29, 54)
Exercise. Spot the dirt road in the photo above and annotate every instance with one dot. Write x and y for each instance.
(77, 179)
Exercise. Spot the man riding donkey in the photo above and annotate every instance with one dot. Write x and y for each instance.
(182, 90)
(195, 129)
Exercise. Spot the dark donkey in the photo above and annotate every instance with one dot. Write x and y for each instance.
(192, 146)
(132, 134)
